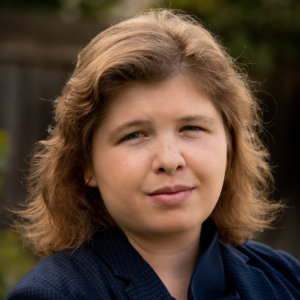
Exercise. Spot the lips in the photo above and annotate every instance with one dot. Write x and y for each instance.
(171, 189)
(171, 195)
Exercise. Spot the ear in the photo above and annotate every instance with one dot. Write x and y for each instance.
(89, 176)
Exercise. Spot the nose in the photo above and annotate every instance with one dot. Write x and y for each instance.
(168, 158)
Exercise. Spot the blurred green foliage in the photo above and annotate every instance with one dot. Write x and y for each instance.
(3, 148)
(55, 5)
(74, 9)
(15, 260)
(3, 154)
(261, 31)
(31, 5)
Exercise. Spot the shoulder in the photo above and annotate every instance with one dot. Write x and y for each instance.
(262, 268)
(65, 275)
(263, 255)
(277, 258)
(279, 262)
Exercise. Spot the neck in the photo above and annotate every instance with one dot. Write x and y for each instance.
(172, 258)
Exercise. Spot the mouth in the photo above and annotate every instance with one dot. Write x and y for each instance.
(171, 190)
(171, 195)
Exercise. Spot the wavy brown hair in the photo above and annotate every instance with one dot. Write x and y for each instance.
(62, 212)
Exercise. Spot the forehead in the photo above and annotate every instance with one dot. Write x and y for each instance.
(176, 96)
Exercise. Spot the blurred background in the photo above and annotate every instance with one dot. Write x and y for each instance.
(39, 42)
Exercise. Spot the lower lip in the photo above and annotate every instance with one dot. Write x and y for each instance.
(172, 199)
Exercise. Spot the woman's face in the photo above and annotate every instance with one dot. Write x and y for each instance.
(159, 158)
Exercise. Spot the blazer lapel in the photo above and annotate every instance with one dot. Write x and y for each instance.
(126, 263)
(250, 282)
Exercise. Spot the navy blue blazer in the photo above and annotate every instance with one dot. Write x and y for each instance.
(110, 268)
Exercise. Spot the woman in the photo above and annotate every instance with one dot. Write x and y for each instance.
(153, 178)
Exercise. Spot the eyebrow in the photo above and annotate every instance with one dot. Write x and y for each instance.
(147, 123)
(201, 118)
(130, 124)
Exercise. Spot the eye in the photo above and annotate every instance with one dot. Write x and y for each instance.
(192, 128)
(133, 136)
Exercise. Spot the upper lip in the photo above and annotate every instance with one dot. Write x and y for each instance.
(171, 189)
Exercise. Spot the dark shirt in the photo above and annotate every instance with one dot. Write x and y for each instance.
(209, 280)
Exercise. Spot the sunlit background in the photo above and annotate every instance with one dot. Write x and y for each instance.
(39, 41)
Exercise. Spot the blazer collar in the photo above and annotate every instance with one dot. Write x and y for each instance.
(250, 282)
(126, 263)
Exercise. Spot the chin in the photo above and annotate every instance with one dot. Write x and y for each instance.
(176, 226)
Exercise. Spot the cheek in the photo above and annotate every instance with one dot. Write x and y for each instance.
(209, 162)
(130, 161)
(212, 152)
(119, 170)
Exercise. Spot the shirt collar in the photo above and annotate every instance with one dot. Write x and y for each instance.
(208, 280)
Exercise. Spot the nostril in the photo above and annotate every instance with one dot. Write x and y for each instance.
(168, 161)
(169, 169)
(161, 170)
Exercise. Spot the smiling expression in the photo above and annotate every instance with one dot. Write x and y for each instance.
(159, 158)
